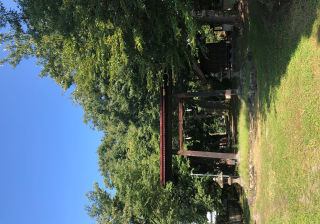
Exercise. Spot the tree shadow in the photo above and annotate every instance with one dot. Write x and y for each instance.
(318, 34)
(244, 204)
(274, 38)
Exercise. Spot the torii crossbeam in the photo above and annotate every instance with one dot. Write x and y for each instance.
(166, 128)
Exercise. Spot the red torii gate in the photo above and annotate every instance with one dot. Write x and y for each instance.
(166, 128)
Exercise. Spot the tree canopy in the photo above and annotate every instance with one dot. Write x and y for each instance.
(93, 43)
(111, 51)
(114, 53)
(131, 166)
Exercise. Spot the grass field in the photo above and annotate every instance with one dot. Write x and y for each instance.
(286, 149)
(243, 130)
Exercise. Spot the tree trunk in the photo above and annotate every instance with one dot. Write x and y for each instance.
(224, 105)
(212, 17)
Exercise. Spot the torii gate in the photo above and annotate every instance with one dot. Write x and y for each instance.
(166, 128)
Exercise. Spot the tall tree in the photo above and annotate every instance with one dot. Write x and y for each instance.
(111, 51)
(86, 41)
(130, 165)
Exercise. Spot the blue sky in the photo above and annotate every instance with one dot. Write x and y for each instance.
(48, 160)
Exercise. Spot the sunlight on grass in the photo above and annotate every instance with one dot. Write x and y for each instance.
(243, 131)
(288, 64)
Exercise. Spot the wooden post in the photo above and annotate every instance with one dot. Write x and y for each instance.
(216, 155)
(180, 124)
(168, 127)
(199, 72)
(206, 93)
(162, 137)
(212, 17)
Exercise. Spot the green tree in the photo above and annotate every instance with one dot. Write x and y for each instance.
(130, 164)
(88, 42)
(114, 53)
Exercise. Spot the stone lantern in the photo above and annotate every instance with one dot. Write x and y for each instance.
(226, 179)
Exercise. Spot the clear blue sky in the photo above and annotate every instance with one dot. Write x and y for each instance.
(48, 160)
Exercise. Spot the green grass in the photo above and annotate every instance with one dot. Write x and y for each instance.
(287, 147)
(243, 144)
(243, 130)
(245, 207)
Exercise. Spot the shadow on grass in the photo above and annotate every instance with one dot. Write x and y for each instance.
(318, 34)
(274, 38)
(244, 205)
(233, 118)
